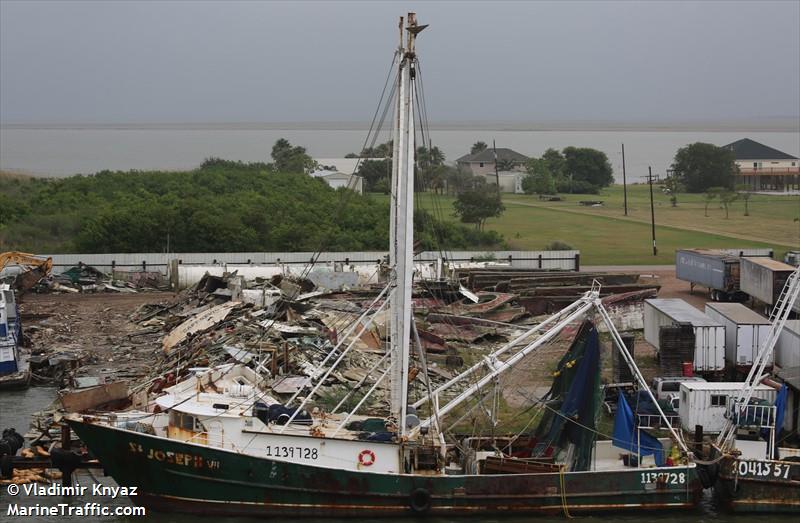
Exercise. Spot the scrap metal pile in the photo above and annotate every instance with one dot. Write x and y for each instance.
(85, 278)
(284, 327)
(548, 291)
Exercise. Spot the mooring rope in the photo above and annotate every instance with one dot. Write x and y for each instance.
(564, 505)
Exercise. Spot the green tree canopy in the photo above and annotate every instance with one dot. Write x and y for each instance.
(290, 159)
(555, 162)
(383, 150)
(478, 147)
(375, 173)
(223, 206)
(588, 165)
(429, 158)
(477, 206)
(539, 179)
(700, 166)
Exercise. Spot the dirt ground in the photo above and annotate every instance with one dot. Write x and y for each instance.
(94, 326)
(671, 287)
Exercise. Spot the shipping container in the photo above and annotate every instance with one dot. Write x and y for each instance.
(769, 253)
(764, 278)
(707, 404)
(709, 351)
(787, 349)
(746, 332)
(716, 270)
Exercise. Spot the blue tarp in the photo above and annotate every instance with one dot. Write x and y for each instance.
(624, 435)
(780, 407)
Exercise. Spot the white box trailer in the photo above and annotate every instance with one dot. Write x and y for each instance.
(787, 349)
(706, 403)
(709, 350)
(746, 332)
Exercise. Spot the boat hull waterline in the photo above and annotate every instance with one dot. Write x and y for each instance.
(759, 485)
(172, 475)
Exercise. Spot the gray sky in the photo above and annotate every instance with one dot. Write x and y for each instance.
(129, 62)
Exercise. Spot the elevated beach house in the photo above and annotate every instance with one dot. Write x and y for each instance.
(763, 168)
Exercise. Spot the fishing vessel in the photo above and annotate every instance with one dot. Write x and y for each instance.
(219, 444)
(757, 474)
(14, 369)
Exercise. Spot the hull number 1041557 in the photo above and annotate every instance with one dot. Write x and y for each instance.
(761, 469)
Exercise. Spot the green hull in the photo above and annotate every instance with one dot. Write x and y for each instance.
(176, 476)
(746, 485)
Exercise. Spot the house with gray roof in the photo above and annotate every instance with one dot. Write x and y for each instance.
(483, 163)
(763, 168)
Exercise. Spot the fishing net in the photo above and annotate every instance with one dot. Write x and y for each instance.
(573, 402)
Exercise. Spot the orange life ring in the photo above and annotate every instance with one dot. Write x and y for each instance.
(366, 458)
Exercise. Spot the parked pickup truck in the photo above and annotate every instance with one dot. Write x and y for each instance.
(668, 388)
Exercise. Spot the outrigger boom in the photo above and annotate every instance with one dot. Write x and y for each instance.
(590, 300)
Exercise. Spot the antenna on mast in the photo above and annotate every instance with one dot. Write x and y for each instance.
(400, 30)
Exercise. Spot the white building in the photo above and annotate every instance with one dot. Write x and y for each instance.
(763, 168)
(338, 179)
(340, 172)
(510, 181)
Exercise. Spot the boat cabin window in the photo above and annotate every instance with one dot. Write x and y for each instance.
(719, 400)
(184, 421)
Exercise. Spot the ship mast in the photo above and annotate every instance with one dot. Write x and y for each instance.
(401, 253)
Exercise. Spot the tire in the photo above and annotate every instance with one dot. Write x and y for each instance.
(420, 501)
(6, 467)
(707, 474)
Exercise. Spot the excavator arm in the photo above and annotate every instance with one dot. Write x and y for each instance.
(35, 268)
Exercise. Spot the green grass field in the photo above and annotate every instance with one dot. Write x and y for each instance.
(606, 237)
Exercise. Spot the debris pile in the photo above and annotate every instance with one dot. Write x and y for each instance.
(543, 291)
(286, 328)
(283, 327)
(87, 279)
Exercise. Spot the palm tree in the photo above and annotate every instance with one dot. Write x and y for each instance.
(478, 147)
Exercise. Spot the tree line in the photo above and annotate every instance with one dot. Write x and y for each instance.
(223, 206)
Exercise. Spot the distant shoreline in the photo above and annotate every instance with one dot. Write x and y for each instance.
(767, 125)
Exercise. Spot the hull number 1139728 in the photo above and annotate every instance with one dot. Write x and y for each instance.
(667, 478)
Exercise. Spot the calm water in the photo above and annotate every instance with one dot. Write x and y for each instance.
(61, 152)
(16, 407)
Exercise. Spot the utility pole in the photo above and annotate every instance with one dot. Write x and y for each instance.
(624, 182)
(652, 209)
(496, 172)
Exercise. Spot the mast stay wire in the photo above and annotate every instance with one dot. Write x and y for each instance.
(345, 195)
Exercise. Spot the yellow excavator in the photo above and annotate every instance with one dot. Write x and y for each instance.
(34, 268)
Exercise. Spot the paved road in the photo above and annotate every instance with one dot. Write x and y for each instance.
(627, 268)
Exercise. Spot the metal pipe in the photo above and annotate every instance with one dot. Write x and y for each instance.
(500, 367)
(339, 344)
(362, 400)
(636, 373)
(328, 372)
(358, 385)
(498, 352)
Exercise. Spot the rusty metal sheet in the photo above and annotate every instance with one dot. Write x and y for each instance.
(85, 399)
(465, 333)
(489, 301)
(431, 342)
(506, 314)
